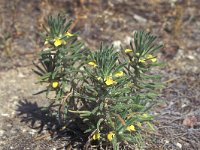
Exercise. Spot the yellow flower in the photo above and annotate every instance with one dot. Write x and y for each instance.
(131, 128)
(68, 34)
(55, 84)
(110, 136)
(137, 54)
(119, 74)
(142, 60)
(96, 136)
(57, 42)
(109, 81)
(139, 124)
(128, 51)
(145, 115)
(92, 63)
(152, 58)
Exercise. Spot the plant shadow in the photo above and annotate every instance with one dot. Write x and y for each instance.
(46, 119)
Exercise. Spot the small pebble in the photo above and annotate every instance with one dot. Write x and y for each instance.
(32, 132)
(179, 145)
(190, 57)
(140, 19)
(13, 113)
(183, 105)
(5, 115)
(24, 130)
(9, 125)
(21, 75)
(166, 142)
(1, 132)
(13, 131)
(15, 104)
(116, 45)
(127, 40)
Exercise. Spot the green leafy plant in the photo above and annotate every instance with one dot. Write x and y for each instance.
(110, 92)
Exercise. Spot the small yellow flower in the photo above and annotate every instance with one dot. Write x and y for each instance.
(145, 115)
(57, 42)
(128, 51)
(152, 58)
(142, 60)
(109, 81)
(119, 74)
(131, 128)
(68, 34)
(96, 136)
(137, 54)
(139, 124)
(110, 136)
(55, 84)
(92, 63)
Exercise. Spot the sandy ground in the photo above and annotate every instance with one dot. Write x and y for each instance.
(113, 21)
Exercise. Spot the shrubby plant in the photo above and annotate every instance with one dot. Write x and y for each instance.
(110, 92)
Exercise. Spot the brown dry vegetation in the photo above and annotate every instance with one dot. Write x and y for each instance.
(175, 22)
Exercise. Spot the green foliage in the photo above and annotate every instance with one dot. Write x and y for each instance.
(110, 92)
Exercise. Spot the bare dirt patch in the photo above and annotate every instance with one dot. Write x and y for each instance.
(113, 21)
